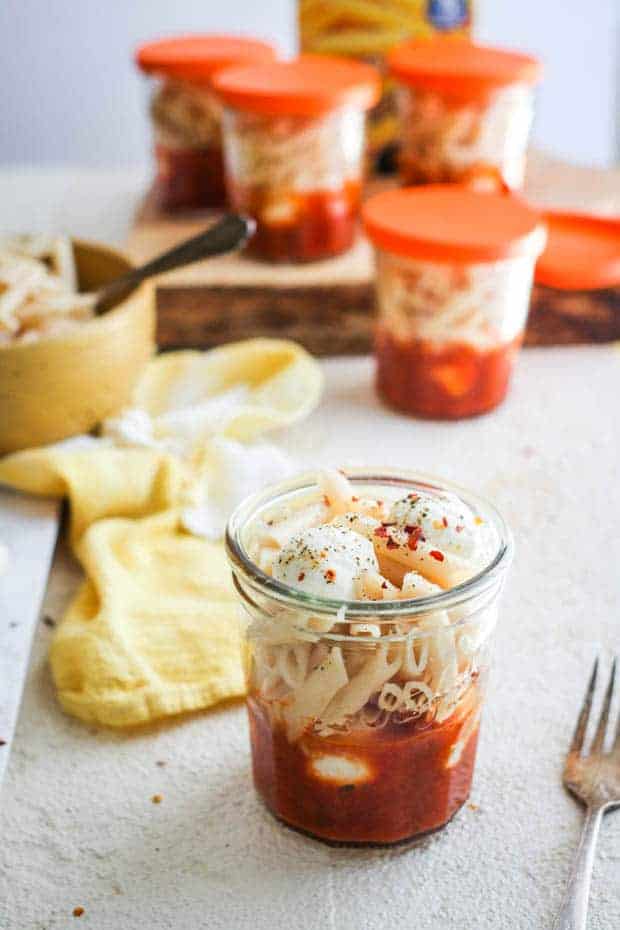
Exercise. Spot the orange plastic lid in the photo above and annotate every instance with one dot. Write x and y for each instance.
(306, 86)
(198, 57)
(448, 223)
(582, 252)
(460, 68)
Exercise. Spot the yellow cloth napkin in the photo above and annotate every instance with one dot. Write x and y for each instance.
(153, 629)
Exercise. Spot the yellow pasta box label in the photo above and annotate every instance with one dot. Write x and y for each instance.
(368, 29)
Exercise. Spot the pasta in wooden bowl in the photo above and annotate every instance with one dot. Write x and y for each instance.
(370, 603)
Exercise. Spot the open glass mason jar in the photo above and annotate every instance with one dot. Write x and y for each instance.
(186, 114)
(364, 714)
(294, 147)
(454, 272)
(465, 112)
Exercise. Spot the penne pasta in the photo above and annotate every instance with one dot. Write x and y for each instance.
(442, 568)
(314, 695)
(372, 676)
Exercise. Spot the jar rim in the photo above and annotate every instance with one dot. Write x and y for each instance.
(380, 611)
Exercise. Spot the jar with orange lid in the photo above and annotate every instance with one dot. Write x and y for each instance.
(186, 114)
(454, 272)
(465, 112)
(293, 150)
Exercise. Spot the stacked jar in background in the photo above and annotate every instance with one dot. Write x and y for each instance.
(294, 152)
(284, 142)
(454, 275)
(465, 112)
(186, 114)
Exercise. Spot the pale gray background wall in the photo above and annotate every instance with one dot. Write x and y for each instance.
(69, 91)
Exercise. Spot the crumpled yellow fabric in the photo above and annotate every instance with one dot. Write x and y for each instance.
(153, 629)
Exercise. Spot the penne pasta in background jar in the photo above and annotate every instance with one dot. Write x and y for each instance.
(369, 603)
(186, 114)
(465, 112)
(294, 152)
(454, 271)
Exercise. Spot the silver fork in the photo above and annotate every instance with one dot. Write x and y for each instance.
(594, 778)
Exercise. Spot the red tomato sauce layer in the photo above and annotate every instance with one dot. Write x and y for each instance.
(189, 179)
(394, 783)
(442, 381)
(319, 224)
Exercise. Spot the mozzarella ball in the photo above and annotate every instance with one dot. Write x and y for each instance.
(325, 561)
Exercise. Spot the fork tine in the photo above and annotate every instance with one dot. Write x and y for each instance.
(599, 737)
(582, 722)
(615, 749)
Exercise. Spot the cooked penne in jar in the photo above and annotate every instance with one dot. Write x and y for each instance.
(465, 112)
(454, 271)
(294, 148)
(186, 114)
(369, 634)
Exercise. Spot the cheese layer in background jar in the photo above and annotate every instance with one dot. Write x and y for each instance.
(465, 112)
(369, 604)
(294, 152)
(186, 115)
(454, 272)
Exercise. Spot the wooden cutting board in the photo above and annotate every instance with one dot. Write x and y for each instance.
(328, 306)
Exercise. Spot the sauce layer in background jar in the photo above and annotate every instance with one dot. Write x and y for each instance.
(307, 226)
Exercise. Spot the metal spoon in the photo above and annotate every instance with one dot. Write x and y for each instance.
(229, 233)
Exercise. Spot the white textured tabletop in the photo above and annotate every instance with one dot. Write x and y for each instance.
(77, 824)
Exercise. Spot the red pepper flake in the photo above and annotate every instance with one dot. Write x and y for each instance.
(444, 521)
(301, 576)
(459, 528)
(436, 554)
(355, 499)
(391, 543)
(415, 535)
(78, 911)
(381, 531)
(384, 585)
(326, 501)
(330, 575)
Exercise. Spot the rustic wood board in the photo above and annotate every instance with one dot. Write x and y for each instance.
(328, 306)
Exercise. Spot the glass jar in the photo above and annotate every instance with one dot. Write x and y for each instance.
(465, 113)
(294, 152)
(186, 114)
(364, 715)
(454, 271)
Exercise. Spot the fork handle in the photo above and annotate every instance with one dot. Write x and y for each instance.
(574, 910)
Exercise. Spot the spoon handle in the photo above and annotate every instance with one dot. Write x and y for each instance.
(227, 234)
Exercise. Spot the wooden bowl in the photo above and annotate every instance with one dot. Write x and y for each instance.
(63, 385)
